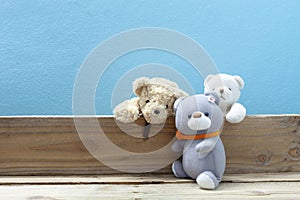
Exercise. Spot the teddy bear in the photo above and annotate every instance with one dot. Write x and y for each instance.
(154, 101)
(228, 89)
(199, 121)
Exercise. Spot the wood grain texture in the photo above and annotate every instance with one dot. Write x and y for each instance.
(127, 179)
(51, 146)
(147, 186)
(260, 190)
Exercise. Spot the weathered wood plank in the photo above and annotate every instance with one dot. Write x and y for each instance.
(127, 179)
(99, 179)
(260, 190)
(51, 145)
(233, 186)
(263, 144)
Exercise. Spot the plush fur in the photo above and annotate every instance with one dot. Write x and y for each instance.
(203, 159)
(228, 89)
(154, 101)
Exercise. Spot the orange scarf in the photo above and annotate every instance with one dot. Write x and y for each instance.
(181, 136)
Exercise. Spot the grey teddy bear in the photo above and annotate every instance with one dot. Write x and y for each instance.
(199, 121)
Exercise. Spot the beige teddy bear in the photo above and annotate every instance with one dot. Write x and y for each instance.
(227, 87)
(154, 101)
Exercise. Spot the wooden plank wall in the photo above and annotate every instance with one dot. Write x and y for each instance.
(51, 146)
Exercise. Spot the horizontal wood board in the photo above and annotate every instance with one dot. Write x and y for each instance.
(50, 145)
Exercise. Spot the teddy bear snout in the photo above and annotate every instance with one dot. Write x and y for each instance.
(197, 115)
(222, 92)
(159, 114)
(199, 121)
(158, 111)
(155, 114)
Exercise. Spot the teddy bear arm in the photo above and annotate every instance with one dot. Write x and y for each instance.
(236, 113)
(206, 146)
(178, 145)
(127, 111)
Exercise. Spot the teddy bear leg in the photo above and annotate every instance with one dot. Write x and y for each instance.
(178, 170)
(207, 180)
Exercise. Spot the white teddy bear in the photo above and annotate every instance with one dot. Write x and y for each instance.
(227, 87)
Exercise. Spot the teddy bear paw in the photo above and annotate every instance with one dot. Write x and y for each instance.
(206, 180)
(126, 112)
(203, 148)
(202, 152)
(234, 118)
(126, 115)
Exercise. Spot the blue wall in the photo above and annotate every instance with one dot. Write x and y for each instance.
(43, 43)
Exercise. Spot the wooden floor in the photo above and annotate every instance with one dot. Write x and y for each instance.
(247, 186)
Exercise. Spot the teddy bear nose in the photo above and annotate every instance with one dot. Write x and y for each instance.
(222, 91)
(156, 112)
(197, 115)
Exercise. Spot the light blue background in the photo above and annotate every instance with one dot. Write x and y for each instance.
(43, 43)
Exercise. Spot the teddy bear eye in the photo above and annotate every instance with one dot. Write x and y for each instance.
(229, 89)
(147, 101)
(206, 114)
(167, 106)
(189, 116)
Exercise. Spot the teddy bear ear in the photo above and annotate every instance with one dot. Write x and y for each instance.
(177, 102)
(208, 77)
(138, 85)
(240, 81)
